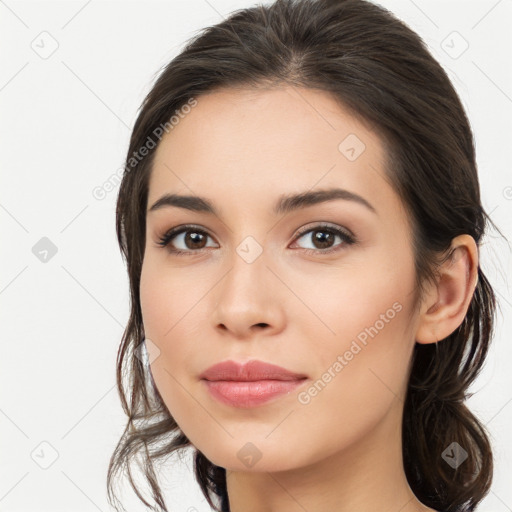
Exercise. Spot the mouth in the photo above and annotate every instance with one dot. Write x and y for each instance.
(251, 384)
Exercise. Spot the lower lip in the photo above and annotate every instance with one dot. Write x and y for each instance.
(250, 394)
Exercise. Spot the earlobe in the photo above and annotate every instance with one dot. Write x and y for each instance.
(447, 300)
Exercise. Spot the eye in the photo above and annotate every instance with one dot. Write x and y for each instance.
(191, 239)
(323, 236)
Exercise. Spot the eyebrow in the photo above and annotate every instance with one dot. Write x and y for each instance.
(284, 204)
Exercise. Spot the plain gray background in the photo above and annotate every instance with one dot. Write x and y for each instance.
(72, 78)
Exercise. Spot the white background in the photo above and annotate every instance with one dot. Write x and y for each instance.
(65, 126)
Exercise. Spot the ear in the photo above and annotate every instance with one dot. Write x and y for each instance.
(446, 302)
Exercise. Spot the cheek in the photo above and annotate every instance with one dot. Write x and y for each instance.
(361, 370)
(363, 343)
(168, 297)
(173, 318)
(364, 302)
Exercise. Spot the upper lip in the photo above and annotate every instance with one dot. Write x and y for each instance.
(250, 371)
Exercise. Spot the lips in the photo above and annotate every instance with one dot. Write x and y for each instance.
(251, 371)
(251, 384)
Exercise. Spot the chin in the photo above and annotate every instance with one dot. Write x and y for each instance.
(253, 457)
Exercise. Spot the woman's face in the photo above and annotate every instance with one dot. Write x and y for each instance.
(334, 304)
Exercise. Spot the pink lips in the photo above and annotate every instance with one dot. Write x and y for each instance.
(250, 384)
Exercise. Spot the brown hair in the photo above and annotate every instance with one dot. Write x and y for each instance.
(380, 70)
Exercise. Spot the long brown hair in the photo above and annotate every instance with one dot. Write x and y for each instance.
(382, 71)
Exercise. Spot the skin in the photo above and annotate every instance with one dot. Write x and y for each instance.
(242, 149)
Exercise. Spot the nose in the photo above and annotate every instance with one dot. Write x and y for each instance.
(248, 300)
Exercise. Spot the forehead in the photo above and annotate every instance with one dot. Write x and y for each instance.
(241, 143)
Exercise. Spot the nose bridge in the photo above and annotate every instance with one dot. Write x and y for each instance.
(248, 270)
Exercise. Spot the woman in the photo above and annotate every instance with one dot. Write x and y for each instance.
(300, 216)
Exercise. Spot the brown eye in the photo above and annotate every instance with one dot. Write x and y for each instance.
(188, 239)
(323, 238)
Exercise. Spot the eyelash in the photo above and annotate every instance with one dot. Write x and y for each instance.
(345, 235)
